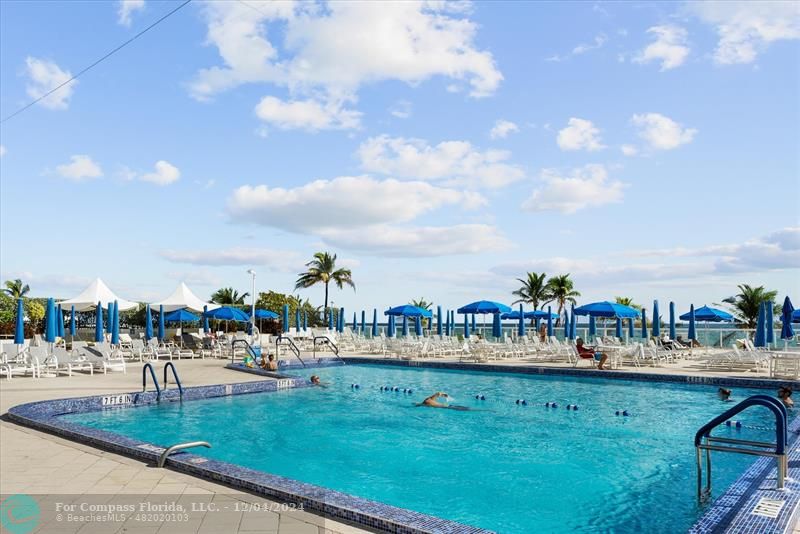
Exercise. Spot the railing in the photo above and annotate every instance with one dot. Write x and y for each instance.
(704, 441)
(247, 347)
(325, 340)
(149, 367)
(284, 340)
(174, 374)
(180, 446)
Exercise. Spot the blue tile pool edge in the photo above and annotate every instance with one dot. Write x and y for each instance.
(44, 415)
(731, 511)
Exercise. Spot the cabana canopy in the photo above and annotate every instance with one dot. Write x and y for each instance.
(96, 292)
(183, 297)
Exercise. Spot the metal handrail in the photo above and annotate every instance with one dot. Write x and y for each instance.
(180, 446)
(149, 366)
(247, 347)
(290, 343)
(327, 341)
(175, 374)
(703, 441)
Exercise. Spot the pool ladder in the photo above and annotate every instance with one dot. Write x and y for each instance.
(703, 441)
(169, 365)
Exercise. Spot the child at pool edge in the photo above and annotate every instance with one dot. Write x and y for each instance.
(785, 395)
(724, 394)
(587, 352)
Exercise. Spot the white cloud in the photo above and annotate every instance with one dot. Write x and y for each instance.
(629, 150)
(585, 187)
(454, 162)
(502, 128)
(197, 278)
(280, 260)
(126, 9)
(306, 114)
(428, 241)
(80, 168)
(2, 151)
(746, 28)
(580, 134)
(344, 202)
(598, 42)
(165, 173)
(401, 109)
(44, 76)
(670, 47)
(662, 133)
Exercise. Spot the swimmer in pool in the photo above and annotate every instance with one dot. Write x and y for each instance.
(316, 382)
(432, 402)
(724, 394)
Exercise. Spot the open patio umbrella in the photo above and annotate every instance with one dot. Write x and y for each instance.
(148, 323)
(405, 326)
(466, 326)
(656, 320)
(228, 313)
(407, 310)
(497, 328)
(438, 320)
(709, 315)
(644, 324)
(418, 325)
(618, 328)
(98, 323)
(19, 325)
(72, 326)
(549, 322)
(760, 336)
(787, 332)
(770, 323)
(692, 334)
(285, 319)
(390, 328)
(521, 324)
(607, 309)
(115, 325)
(161, 327)
(374, 322)
(181, 316)
(672, 320)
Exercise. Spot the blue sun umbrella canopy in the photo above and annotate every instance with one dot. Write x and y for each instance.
(161, 327)
(148, 323)
(656, 320)
(181, 316)
(760, 339)
(407, 310)
(363, 322)
(98, 323)
(709, 315)
(692, 327)
(228, 313)
(330, 320)
(573, 325)
(607, 309)
(297, 319)
(787, 332)
(567, 325)
(537, 314)
(484, 306)
(796, 316)
(19, 329)
(355, 322)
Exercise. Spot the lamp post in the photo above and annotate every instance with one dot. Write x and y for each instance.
(252, 273)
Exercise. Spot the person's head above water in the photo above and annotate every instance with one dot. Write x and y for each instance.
(271, 357)
(314, 379)
(724, 393)
(784, 392)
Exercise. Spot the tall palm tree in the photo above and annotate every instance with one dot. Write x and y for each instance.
(562, 290)
(746, 303)
(322, 270)
(534, 291)
(627, 301)
(16, 289)
(229, 297)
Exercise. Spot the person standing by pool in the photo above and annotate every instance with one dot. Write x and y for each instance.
(543, 333)
(587, 352)
(785, 395)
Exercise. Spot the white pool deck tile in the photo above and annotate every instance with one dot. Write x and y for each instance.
(37, 463)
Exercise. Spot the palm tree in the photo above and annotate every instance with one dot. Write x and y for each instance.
(627, 301)
(562, 290)
(534, 291)
(746, 303)
(322, 269)
(422, 303)
(228, 296)
(16, 289)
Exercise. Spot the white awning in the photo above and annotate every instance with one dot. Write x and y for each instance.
(97, 291)
(182, 297)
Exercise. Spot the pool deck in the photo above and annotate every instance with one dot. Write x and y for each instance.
(38, 463)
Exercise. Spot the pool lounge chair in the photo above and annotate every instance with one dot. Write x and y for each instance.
(22, 364)
(68, 361)
(102, 357)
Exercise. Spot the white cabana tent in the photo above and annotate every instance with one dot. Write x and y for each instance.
(181, 298)
(97, 291)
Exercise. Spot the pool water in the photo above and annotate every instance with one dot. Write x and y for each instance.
(506, 467)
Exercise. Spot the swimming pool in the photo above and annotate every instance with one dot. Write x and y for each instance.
(509, 468)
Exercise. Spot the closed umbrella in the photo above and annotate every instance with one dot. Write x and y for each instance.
(438, 320)
(305, 320)
(474, 329)
(672, 334)
(692, 335)
(285, 318)
(573, 327)
(330, 320)
(390, 328)
(355, 323)
(340, 321)
(447, 329)
(549, 323)
(161, 328)
(418, 325)
(50, 325)
(297, 319)
(405, 326)
(374, 322)
(60, 322)
(19, 327)
(618, 329)
(497, 328)
(787, 332)
(567, 326)
(206, 327)
(98, 323)
(521, 324)
(466, 326)
(592, 327)
(72, 326)
(761, 325)
(148, 324)
(363, 322)
(631, 331)
(644, 324)
(656, 320)
(769, 325)
(115, 325)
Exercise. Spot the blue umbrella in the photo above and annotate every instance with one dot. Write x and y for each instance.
(692, 329)
(438, 320)
(285, 320)
(567, 327)
(297, 319)
(355, 323)
(497, 327)
(161, 327)
(761, 325)
(521, 324)
(98, 323)
(672, 334)
(405, 326)
(228, 313)
(19, 329)
(644, 324)
(340, 320)
(787, 332)
(631, 331)
(656, 320)
(110, 319)
(618, 329)
(537, 323)
(447, 330)
(706, 314)
(474, 329)
(573, 327)
(796, 316)
(180, 316)
(206, 327)
(607, 309)
(50, 325)
(408, 310)
(148, 323)
(769, 325)
(466, 326)
(453, 322)
(305, 320)
(484, 306)
(390, 329)
(72, 327)
(374, 322)
(549, 323)
(592, 326)
(363, 322)
(115, 325)
(418, 325)
(330, 320)
(60, 322)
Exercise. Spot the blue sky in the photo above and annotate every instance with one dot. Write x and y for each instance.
(440, 149)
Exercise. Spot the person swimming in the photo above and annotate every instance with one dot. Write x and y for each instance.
(316, 382)
(785, 395)
(724, 394)
(433, 402)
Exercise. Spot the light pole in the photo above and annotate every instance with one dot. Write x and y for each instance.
(252, 273)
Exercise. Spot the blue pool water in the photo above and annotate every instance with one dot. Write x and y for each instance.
(509, 468)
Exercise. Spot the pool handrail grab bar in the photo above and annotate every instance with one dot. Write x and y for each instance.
(327, 341)
(178, 447)
(174, 374)
(247, 347)
(290, 343)
(704, 441)
(145, 368)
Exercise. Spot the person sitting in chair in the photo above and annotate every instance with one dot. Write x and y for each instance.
(587, 352)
